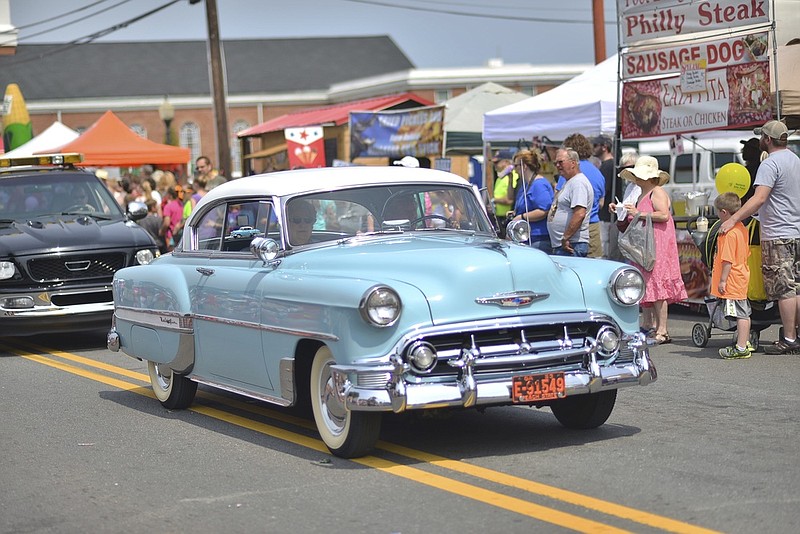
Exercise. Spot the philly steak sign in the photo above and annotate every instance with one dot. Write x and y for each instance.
(644, 20)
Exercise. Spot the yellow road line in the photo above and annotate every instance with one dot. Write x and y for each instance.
(599, 505)
(461, 489)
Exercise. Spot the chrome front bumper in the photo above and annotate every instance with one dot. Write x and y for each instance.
(397, 395)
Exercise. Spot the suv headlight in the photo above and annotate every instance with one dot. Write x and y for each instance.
(7, 270)
(380, 306)
(626, 286)
(143, 257)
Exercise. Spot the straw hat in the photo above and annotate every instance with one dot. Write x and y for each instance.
(646, 168)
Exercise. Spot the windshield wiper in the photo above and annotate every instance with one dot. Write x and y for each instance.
(92, 215)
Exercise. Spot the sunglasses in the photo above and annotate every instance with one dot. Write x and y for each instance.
(301, 220)
(561, 161)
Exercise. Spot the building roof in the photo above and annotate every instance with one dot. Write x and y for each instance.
(156, 68)
(337, 114)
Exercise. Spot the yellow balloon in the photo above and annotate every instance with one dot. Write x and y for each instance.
(733, 177)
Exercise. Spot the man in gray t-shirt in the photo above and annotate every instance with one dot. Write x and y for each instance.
(777, 201)
(568, 220)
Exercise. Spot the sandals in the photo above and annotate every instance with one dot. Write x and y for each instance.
(662, 339)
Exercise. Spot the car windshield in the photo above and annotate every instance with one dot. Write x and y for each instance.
(43, 194)
(396, 208)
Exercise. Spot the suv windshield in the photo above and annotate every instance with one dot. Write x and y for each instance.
(41, 194)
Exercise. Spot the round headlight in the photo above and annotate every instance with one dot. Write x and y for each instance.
(144, 256)
(380, 306)
(627, 286)
(422, 357)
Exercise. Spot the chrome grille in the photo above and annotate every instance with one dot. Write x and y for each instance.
(545, 341)
(76, 267)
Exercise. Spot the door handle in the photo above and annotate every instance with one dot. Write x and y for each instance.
(205, 270)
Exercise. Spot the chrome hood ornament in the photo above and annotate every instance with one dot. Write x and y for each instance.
(514, 299)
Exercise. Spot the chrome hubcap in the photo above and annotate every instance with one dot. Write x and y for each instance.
(333, 410)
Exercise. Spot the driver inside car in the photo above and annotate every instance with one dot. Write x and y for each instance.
(301, 216)
(401, 207)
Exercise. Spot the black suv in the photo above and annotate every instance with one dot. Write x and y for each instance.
(62, 238)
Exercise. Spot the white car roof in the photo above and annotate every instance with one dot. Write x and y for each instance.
(327, 178)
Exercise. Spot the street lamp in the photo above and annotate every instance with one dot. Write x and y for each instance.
(167, 112)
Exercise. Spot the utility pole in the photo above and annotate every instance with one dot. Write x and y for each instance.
(218, 89)
(599, 31)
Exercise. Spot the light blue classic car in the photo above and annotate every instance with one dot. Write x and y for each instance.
(365, 290)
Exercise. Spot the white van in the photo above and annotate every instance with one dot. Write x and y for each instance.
(695, 169)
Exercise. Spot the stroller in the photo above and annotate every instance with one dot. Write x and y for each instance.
(764, 313)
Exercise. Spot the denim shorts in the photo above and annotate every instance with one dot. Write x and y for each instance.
(580, 250)
(780, 265)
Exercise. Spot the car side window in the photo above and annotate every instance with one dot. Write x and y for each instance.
(246, 220)
(231, 227)
(209, 229)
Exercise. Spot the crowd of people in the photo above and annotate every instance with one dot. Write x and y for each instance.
(578, 213)
(170, 197)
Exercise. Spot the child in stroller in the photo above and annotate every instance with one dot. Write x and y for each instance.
(763, 313)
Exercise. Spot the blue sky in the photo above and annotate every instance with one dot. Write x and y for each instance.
(517, 31)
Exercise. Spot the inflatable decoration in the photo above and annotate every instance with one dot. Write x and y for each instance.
(733, 177)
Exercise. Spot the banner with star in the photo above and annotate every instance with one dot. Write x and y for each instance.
(305, 147)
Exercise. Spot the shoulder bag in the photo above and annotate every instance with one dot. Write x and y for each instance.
(638, 243)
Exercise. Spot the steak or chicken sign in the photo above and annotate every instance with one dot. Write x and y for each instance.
(711, 75)
(735, 96)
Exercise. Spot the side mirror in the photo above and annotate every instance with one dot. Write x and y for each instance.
(264, 248)
(137, 210)
(518, 231)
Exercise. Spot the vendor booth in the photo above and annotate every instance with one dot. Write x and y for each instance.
(109, 142)
(54, 136)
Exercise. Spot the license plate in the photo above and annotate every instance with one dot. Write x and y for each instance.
(529, 388)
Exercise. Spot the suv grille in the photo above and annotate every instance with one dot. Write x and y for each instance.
(76, 267)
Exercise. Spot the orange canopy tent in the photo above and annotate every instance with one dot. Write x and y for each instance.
(109, 142)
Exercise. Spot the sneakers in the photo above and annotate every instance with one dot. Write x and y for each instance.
(733, 353)
(783, 347)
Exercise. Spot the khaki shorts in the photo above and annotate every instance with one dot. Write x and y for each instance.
(780, 265)
(595, 243)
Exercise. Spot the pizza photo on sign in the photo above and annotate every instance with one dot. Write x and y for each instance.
(750, 98)
(641, 109)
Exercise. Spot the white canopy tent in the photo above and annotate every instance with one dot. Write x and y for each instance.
(463, 118)
(586, 104)
(53, 137)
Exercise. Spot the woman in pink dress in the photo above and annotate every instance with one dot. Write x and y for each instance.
(663, 285)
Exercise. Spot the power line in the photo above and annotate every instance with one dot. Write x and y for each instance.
(32, 24)
(479, 15)
(91, 37)
(54, 28)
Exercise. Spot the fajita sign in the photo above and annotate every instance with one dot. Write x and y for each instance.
(717, 53)
(737, 96)
(644, 20)
(415, 132)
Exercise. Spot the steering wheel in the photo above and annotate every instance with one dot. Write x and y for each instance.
(430, 217)
(80, 208)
